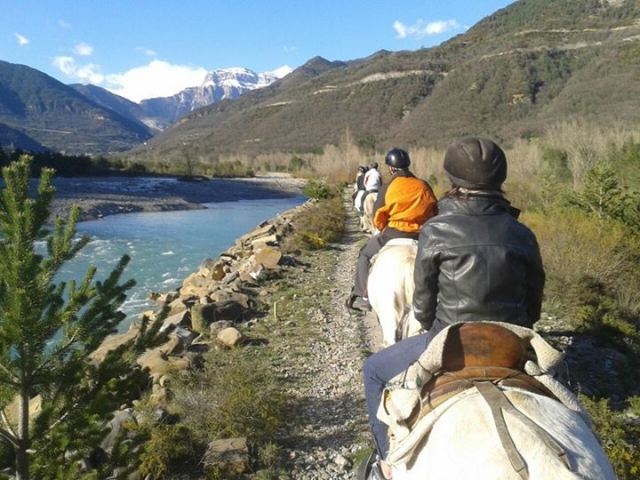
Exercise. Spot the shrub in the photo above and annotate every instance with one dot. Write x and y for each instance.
(318, 190)
(236, 395)
(296, 163)
(166, 446)
(580, 252)
(319, 225)
(618, 433)
(231, 169)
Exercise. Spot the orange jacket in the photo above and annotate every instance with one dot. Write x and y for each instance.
(405, 203)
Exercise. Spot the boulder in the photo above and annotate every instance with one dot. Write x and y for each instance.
(197, 285)
(112, 342)
(217, 327)
(174, 320)
(201, 316)
(230, 455)
(115, 426)
(268, 240)
(267, 256)
(212, 270)
(263, 231)
(231, 310)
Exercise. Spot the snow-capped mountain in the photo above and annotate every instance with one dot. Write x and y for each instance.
(218, 85)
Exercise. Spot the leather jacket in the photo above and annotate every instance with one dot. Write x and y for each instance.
(476, 262)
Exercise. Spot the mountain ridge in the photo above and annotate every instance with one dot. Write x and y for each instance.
(46, 111)
(509, 76)
(221, 84)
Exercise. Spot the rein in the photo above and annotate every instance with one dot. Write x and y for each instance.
(499, 403)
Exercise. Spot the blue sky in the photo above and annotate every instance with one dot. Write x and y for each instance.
(153, 48)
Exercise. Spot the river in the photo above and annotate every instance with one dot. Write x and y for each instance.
(165, 247)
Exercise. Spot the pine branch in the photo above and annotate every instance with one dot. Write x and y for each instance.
(8, 432)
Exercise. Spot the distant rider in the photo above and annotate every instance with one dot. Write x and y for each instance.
(358, 188)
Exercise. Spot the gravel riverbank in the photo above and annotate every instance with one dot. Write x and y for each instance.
(102, 196)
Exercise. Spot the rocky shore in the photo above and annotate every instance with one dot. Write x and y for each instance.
(102, 196)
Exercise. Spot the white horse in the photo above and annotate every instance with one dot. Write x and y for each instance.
(481, 416)
(390, 290)
(366, 217)
(464, 444)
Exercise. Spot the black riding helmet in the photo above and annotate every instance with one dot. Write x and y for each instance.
(397, 158)
(476, 163)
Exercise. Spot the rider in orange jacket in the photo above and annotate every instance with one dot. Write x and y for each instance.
(402, 206)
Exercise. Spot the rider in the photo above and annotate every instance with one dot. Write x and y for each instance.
(372, 179)
(401, 208)
(358, 187)
(475, 261)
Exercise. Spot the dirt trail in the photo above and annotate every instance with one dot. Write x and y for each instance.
(332, 430)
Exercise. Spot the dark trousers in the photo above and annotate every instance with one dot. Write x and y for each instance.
(383, 366)
(367, 252)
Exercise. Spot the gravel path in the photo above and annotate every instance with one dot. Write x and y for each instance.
(332, 414)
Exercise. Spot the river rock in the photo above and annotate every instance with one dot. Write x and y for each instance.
(229, 336)
(212, 269)
(267, 256)
(201, 316)
(174, 320)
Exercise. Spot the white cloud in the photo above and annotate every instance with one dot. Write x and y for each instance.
(289, 49)
(83, 49)
(147, 51)
(89, 73)
(64, 24)
(157, 79)
(22, 40)
(66, 65)
(424, 29)
(400, 29)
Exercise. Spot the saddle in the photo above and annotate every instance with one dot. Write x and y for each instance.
(478, 352)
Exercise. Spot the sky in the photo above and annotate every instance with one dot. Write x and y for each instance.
(155, 48)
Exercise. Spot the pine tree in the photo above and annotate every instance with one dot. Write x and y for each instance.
(603, 197)
(48, 331)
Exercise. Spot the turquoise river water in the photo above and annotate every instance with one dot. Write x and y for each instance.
(165, 247)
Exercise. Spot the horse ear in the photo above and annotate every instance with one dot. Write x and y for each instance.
(479, 344)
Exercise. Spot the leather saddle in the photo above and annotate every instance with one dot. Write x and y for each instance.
(478, 352)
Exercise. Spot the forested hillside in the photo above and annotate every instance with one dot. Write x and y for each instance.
(511, 76)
